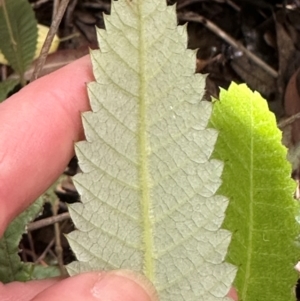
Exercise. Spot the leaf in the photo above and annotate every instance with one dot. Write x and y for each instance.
(261, 213)
(55, 61)
(42, 34)
(6, 87)
(18, 33)
(11, 267)
(43, 272)
(148, 185)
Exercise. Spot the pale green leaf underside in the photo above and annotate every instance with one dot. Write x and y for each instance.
(148, 186)
(261, 213)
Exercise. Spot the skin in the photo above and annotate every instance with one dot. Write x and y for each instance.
(39, 126)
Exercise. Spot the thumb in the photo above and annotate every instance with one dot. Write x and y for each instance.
(108, 286)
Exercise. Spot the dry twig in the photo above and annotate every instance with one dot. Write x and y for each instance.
(47, 44)
(282, 124)
(48, 221)
(58, 247)
(42, 256)
(192, 17)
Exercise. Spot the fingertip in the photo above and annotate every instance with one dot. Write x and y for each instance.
(233, 294)
(113, 286)
(141, 281)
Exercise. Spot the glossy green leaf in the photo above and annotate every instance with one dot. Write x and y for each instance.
(6, 87)
(148, 186)
(11, 267)
(38, 271)
(18, 33)
(262, 211)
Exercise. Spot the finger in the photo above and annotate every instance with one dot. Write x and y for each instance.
(39, 126)
(24, 291)
(233, 294)
(112, 286)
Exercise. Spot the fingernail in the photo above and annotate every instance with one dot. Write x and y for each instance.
(123, 286)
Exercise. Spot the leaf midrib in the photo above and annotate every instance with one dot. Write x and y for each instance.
(143, 145)
(249, 250)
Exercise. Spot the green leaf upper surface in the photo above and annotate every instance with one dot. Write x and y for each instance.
(18, 33)
(261, 213)
(11, 267)
(148, 185)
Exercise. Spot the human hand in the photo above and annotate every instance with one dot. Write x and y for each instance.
(39, 126)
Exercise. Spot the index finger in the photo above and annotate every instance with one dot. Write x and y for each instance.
(38, 128)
